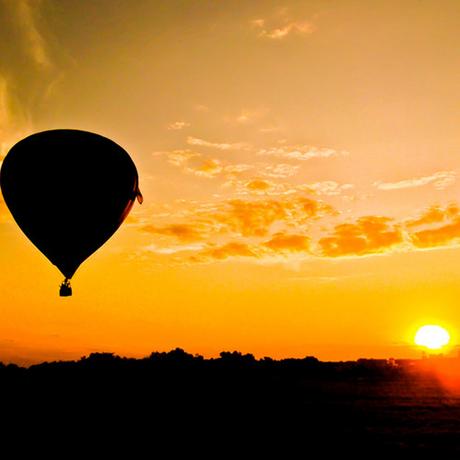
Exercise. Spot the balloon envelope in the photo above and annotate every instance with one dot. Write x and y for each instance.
(68, 191)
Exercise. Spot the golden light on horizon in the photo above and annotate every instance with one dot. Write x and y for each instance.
(432, 336)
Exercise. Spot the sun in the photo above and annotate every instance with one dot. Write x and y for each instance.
(432, 336)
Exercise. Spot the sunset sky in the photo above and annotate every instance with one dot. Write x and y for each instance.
(299, 162)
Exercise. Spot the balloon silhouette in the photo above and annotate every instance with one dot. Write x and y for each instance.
(68, 191)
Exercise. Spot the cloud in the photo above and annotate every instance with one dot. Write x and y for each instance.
(193, 162)
(200, 165)
(173, 249)
(27, 16)
(258, 22)
(255, 217)
(434, 237)
(258, 185)
(254, 185)
(439, 227)
(196, 163)
(251, 218)
(14, 121)
(280, 170)
(440, 180)
(284, 230)
(279, 249)
(368, 235)
(178, 157)
(207, 168)
(27, 71)
(232, 249)
(8, 119)
(310, 209)
(281, 31)
(289, 242)
(236, 169)
(4, 104)
(302, 152)
(299, 28)
(178, 125)
(244, 218)
(328, 187)
(217, 145)
(434, 214)
(183, 232)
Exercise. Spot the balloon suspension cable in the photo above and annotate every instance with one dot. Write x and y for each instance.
(66, 289)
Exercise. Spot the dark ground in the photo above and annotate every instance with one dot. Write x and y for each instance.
(241, 405)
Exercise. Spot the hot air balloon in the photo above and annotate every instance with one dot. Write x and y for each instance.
(69, 191)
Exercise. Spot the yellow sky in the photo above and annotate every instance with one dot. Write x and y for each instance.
(299, 164)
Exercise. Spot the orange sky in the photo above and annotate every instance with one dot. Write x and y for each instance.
(299, 165)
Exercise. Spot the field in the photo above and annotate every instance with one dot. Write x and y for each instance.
(356, 406)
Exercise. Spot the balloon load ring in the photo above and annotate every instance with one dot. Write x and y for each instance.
(68, 191)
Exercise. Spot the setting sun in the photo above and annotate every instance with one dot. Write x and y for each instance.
(432, 337)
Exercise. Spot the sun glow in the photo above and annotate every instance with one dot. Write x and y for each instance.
(432, 336)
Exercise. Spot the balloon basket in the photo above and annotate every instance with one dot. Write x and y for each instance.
(66, 289)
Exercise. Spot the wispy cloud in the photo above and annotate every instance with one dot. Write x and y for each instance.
(232, 249)
(27, 13)
(280, 170)
(208, 167)
(193, 162)
(173, 249)
(5, 115)
(178, 125)
(440, 180)
(260, 185)
(328, 187)
(268, 29)
(181, 231)
(238, 168)
(14, 122)
(217, 145)
(178, 157)
(19, 96)
(302, 152)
